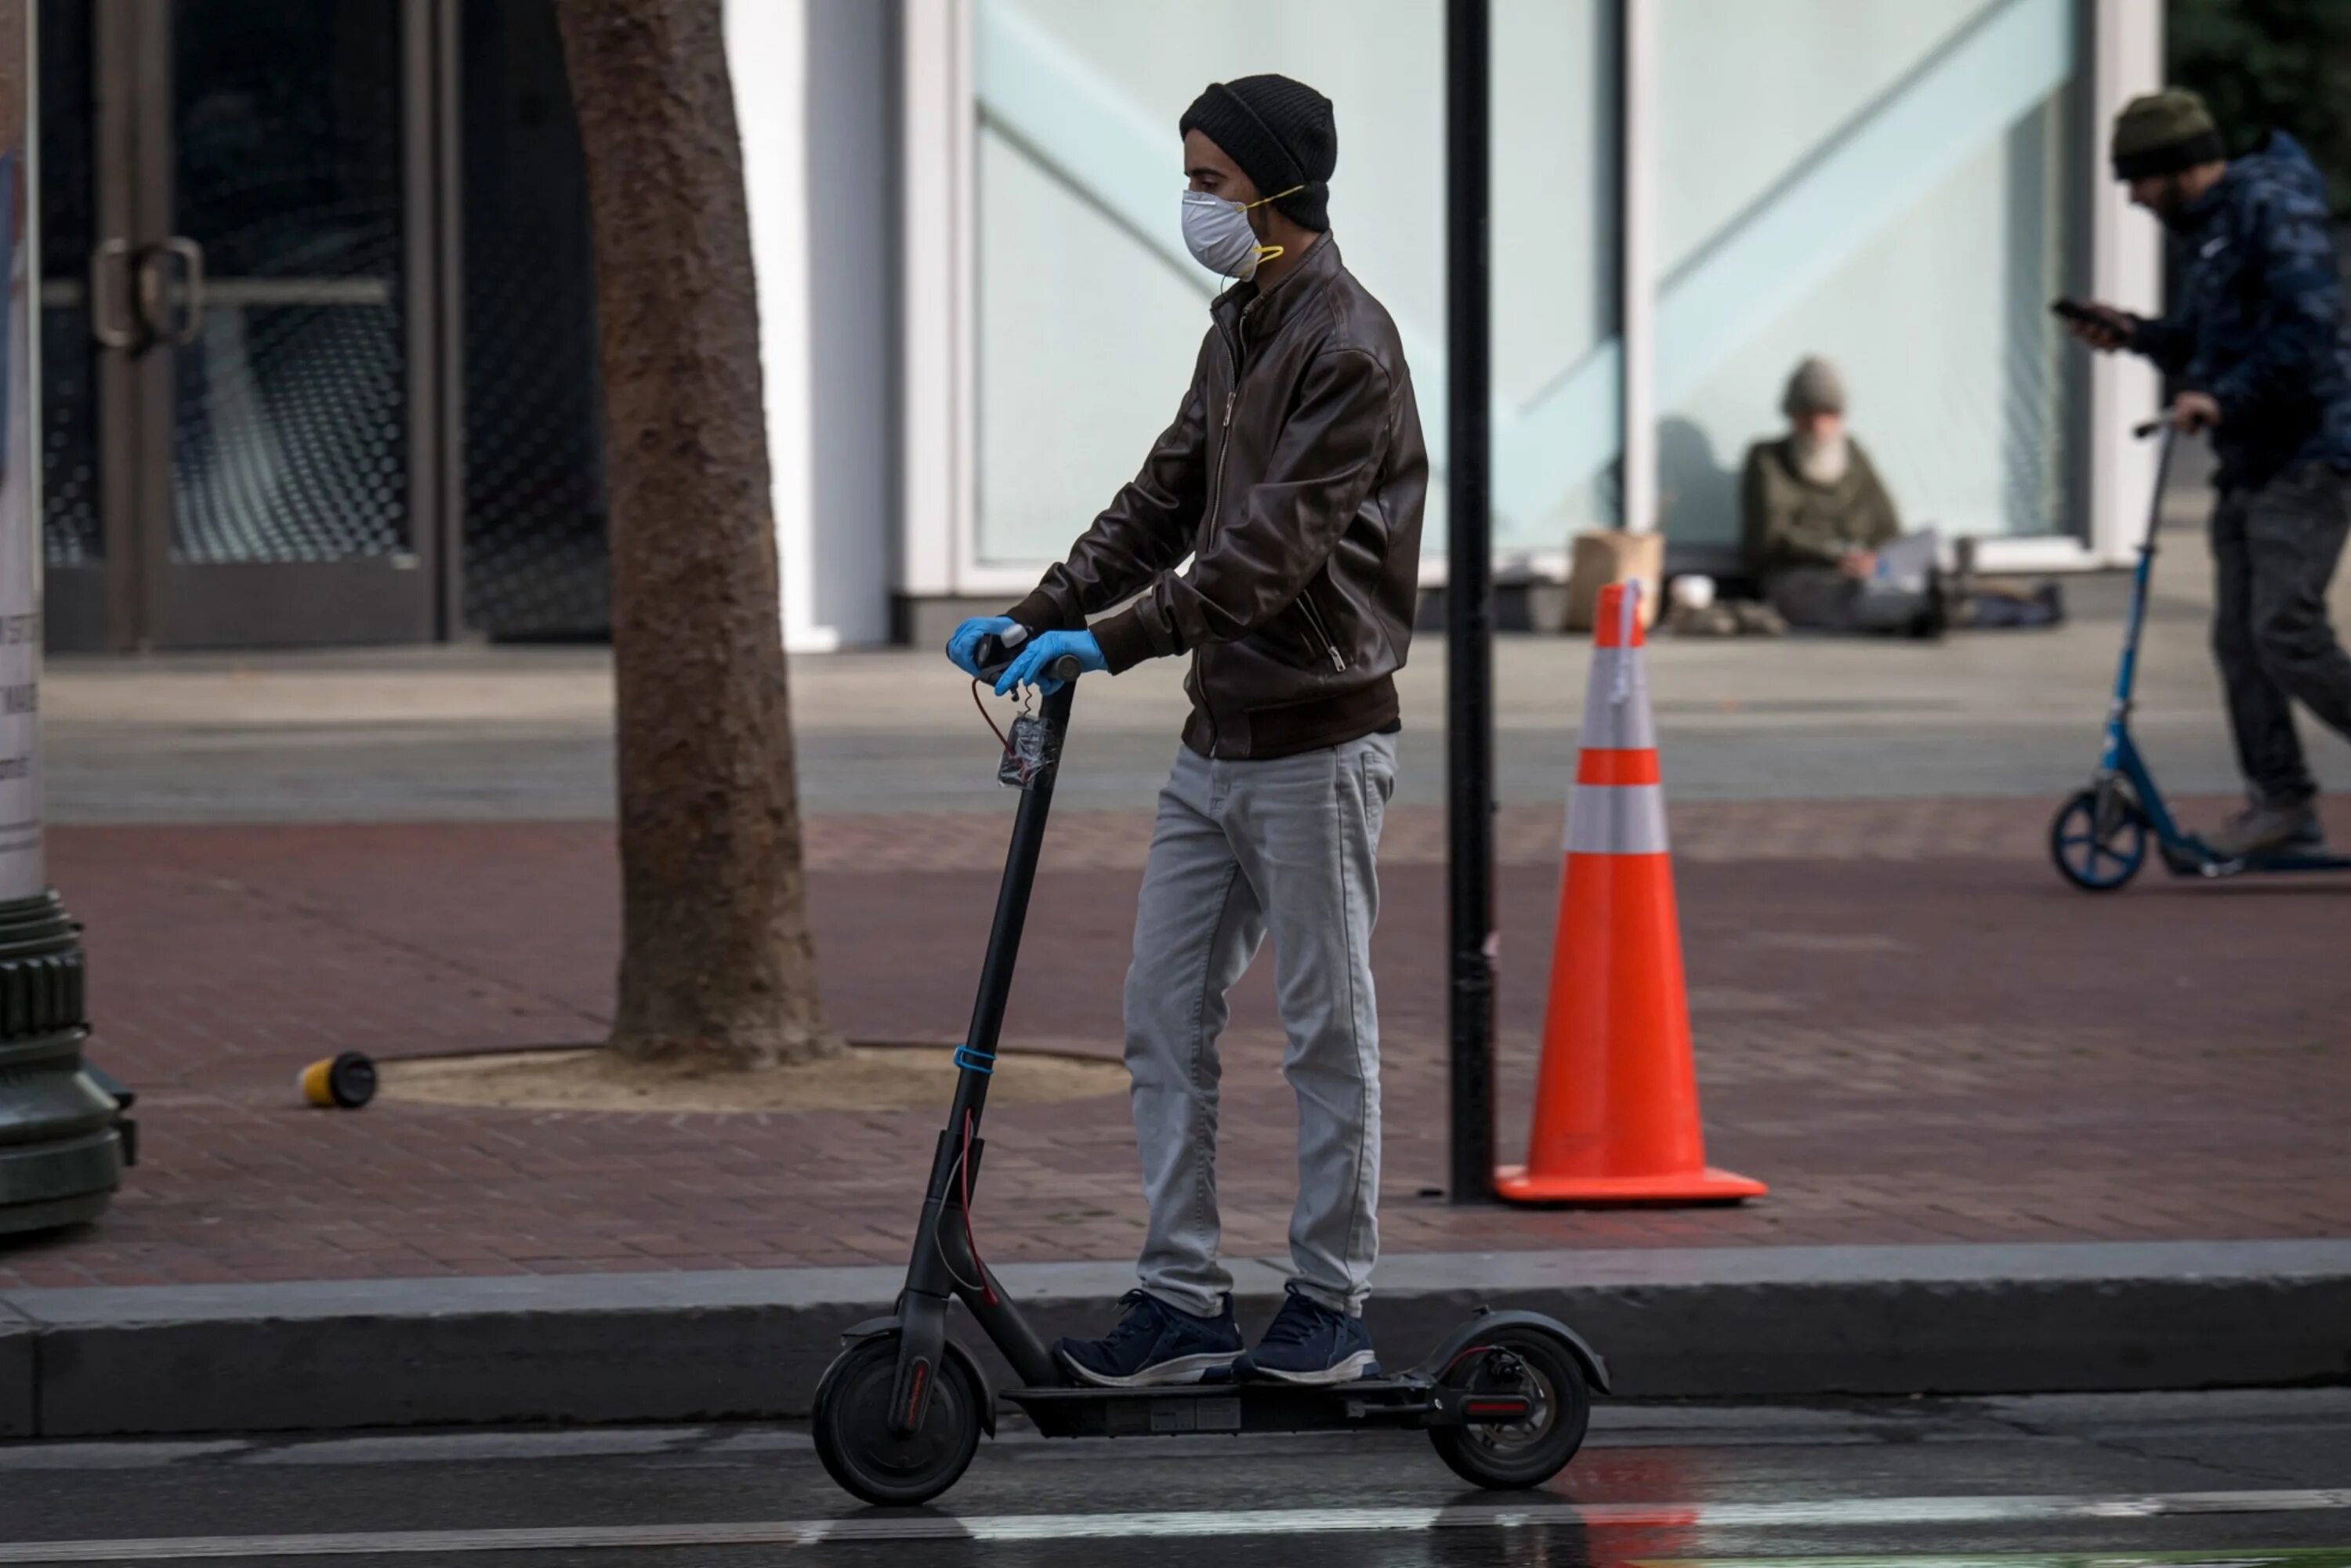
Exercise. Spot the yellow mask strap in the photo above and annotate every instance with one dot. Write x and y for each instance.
(1267, 252)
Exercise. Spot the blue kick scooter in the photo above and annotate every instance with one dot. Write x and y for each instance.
(2099, 839)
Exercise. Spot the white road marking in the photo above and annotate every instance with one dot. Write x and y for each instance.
(2282, 1557)
(111, 1456)
(443, 1447)
(1044, 1527)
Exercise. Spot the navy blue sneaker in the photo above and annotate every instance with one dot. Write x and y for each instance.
(1153, 1343)
(1309, 1342)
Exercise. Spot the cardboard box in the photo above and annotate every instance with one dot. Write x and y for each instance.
(1602, 557)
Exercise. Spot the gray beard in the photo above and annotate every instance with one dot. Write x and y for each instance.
(1823, 461)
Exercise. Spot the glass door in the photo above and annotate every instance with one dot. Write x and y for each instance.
(257, 297)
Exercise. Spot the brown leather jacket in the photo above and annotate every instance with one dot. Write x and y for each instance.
(1294, 478)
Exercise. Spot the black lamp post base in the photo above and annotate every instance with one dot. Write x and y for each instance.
(61, 1146)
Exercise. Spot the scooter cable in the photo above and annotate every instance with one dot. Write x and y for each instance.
(1001, 738)
(981, 704)
(970, 1240)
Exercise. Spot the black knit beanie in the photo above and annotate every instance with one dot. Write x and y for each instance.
(1281, 134)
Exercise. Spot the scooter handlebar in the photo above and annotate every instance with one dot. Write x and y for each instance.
(995, 658)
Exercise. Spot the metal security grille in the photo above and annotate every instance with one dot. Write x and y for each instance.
(537, 564)
(71, 532)
(289, 444)
(289, 430)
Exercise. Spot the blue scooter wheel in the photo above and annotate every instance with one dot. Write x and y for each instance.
(2097, 856)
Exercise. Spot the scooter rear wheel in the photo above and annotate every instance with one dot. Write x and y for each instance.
(2098, 842)
(852, 1426)
(1529, 1361)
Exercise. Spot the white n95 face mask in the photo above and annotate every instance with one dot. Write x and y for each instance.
(1217, 233)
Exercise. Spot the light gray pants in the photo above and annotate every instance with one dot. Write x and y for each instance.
(1823, 599)
(1243, 851)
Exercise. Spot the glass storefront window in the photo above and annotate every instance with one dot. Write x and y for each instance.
(1090, 312)
(1558, 418)
(1884, 185)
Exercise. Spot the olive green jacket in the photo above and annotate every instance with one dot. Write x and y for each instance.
(1787, 520)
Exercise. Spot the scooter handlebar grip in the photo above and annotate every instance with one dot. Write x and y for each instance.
(994, 658)
(991, 655)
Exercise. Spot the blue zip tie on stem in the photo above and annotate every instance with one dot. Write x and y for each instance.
(967, 1057)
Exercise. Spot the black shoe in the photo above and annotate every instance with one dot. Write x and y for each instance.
(1309, 1342)
(1153, 1343)
(1935, 619)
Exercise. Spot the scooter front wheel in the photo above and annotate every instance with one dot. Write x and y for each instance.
(2098, 841)
(1539, 1367)
(853, 1436)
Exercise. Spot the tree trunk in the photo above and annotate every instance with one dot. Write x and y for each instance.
(716, 963)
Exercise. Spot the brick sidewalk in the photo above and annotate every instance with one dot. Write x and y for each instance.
(1905, 1024)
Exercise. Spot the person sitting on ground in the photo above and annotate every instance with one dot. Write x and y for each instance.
(1819, 531)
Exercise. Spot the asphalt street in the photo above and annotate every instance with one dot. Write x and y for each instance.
(2245, 1480)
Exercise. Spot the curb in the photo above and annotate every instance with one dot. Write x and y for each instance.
(1716, 1323)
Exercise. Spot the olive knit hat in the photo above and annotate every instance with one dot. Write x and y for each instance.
(1814, 388)
(2164, 133)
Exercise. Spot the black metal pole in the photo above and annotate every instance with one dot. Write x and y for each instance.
(1468, 606)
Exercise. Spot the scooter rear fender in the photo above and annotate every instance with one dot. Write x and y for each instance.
(1486, 1322)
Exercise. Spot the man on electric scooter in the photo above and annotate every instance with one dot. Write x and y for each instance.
(1294, 478)
(2258, 345)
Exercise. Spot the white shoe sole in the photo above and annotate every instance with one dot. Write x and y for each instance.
(1182, 1369)
(1360, 1365)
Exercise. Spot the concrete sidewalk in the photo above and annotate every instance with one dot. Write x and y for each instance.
(525, 734)
(2016, 1137)
(1905, 1025)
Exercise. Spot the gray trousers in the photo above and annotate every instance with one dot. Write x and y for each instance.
(2274, 549)
(1823, 599)
(1243, 851)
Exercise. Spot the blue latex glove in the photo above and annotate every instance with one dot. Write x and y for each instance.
(963, 648)
(1042, 650)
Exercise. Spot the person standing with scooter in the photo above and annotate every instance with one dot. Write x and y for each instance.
(1294, 476)
(2257, 346)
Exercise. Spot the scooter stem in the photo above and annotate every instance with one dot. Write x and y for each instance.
(943, 1264)
(978, 1057)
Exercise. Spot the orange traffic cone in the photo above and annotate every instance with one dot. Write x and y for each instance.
(1617, 1098)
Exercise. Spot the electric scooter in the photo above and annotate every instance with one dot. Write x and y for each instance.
(2099, 836)
(899, 1413)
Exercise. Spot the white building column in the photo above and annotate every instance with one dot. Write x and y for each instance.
(824, 218)
(1636, 260)
(938, 268)
(2125, 269)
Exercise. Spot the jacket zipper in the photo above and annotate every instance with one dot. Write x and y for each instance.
(1216, 499)
(1323, 632)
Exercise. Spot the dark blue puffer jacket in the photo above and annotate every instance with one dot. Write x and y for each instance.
(2258, 322)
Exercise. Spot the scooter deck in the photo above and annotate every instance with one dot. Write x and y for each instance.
(2190, 858)
(1407, 1402)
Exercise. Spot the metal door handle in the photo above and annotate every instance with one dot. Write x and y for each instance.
(183, 328)
(106, 261)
